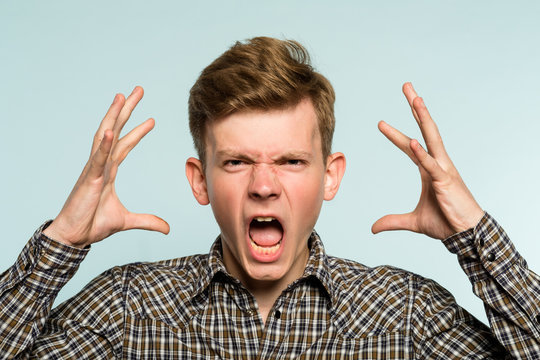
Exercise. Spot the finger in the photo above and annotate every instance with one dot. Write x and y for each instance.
(99, 158)
(132, 101)
(428, 162)
(394, 222)
(146, 222)
(130, 140)
(399, 139)
(429, 129)
(108, 120)
(410, 95)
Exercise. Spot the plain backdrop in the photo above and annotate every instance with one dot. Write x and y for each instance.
(475, 63)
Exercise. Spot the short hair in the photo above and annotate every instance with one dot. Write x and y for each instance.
(261, 73)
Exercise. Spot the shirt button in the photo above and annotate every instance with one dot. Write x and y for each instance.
(538, 318)
(490, 257)
(481, 242)
(277, 314)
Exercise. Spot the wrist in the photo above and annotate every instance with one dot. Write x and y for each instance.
(471, 219)
(54, 232)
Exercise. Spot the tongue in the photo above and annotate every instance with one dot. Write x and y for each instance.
(266, 233)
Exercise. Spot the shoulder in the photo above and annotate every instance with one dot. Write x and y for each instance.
(349, 275)
(160, 290)
(182, 274)
(184, 269)
(375, 300)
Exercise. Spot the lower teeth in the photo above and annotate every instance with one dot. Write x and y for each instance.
(266, 250)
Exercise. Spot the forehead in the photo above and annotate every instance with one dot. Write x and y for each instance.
(266, 132)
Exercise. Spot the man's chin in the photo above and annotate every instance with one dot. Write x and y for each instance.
(264, 272)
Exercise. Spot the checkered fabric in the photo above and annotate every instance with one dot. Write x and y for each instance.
(191, 308)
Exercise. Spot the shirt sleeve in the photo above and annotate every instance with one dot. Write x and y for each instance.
(441, 329)
(74, 329)
(501, 278)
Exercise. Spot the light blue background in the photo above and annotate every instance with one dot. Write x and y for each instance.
(475, 63)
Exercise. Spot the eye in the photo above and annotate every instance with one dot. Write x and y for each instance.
(233, 162)
(294, 162)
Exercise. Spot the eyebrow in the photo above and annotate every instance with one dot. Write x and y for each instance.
(295, 154)
(232, 153)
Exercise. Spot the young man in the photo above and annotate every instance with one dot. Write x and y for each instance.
(262, 122)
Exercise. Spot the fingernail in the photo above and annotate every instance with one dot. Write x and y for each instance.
(115, 98)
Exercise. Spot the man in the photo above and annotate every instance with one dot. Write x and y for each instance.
(262, 122)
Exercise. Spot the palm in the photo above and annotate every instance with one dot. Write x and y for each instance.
(109, 218)
(430, 219)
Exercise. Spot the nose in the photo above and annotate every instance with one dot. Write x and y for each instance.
(264, 183)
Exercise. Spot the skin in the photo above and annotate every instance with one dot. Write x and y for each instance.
(268, 180)
(446, 206)
(93, 210)
(251, 173)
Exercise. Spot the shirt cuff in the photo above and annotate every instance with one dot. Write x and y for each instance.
(47, 264)
(486, 243)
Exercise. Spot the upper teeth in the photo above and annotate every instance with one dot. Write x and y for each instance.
(264, 218)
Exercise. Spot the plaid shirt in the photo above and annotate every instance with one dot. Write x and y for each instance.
(191, 308)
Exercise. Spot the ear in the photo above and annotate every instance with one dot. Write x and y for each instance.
(335, 168)
(197, 180)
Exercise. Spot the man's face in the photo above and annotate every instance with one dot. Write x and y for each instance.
(265, 180)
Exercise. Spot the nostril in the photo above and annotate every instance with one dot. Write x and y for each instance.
(259, 195)
(255, 195)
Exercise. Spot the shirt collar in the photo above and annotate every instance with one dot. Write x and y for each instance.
(317, 267)
(213, 267)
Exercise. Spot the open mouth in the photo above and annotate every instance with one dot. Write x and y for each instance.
(266, 235)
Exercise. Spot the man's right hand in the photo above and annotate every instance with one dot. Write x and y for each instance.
(93, 211)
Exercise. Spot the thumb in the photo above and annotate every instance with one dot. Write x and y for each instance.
(146, 222)
(394, 222)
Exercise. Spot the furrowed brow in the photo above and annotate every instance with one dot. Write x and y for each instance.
(229, 153)
(232, 154)
(301, 155)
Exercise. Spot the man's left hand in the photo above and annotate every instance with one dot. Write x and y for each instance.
(446, 205)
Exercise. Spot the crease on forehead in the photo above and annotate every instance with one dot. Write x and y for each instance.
(253, 151)
(240, 154)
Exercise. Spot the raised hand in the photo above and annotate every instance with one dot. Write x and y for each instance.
(446, 205)
(93, 211)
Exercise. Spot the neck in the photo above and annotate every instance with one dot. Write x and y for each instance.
(265, 293)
